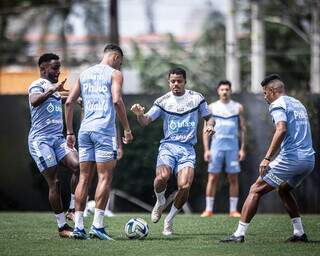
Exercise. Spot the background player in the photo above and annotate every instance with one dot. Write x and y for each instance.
(47, 145)
(180, 110)
(100, 88)
(224, 150)
(294, 162)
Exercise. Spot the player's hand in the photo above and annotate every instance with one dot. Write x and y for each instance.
(71, 141)
(241, 154)
(207, 156)
(137, 109)
(119, 153)
(263, 167)
(127, 137)
(59, 86)
(209, 129)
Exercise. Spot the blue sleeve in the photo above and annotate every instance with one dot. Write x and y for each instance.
(203, 108)
(154, 112)
(278, 115)
(36, 89)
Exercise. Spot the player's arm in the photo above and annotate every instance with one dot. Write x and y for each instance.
(208, 130)
(38, 98)
(73, 96)
(278, 137)
(117, 81)
(142, 118)
(242, 133)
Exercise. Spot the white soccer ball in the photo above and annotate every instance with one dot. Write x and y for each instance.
(136, 228)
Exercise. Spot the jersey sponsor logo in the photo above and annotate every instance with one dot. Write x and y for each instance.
(51, 108)
(274, 178)
(300, 114)
(94, 88)
(176, 125)
(103, 153)
(95, 106)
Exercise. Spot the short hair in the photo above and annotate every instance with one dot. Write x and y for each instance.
(47, 57)
(270, 78)
(227, 82)
(178, 71)
(113, 48)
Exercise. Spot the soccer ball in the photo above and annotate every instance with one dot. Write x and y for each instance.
(136, 228)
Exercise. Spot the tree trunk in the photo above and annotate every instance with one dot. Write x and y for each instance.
(232, 52)
(315, 48)
(258, 63)
(114, 32)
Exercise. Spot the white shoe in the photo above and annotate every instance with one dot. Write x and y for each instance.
(156, 212)
(167, 228)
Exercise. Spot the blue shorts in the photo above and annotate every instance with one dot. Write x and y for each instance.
(177, 156)
(228, 157)
(48, 152)
(96, 147)
(292, 171)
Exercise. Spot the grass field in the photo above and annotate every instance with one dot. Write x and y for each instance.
(35, 234)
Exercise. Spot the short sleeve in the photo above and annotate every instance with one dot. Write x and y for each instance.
(204, 109)
(154, 112)
(278, 115)
(36, 89)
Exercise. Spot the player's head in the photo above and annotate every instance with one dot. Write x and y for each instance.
(177, 79)
(273, 87)
(113, 55)
(49, 65)
(224, 90)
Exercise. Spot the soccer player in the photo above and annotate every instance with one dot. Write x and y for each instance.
(47, 145)
(294, 162)
(225, 150)
(100, 88)
(180, 110)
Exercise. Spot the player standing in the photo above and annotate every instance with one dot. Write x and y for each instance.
(180, 110)
(100, 88)
(294, 162)
(224, 151)
(47, 145)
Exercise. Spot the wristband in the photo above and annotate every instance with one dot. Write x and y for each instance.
(71, 133)
(268, 159)
(127, 131)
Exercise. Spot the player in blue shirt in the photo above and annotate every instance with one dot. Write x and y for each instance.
(180, 110)
(294, 162)
(47, 145)
(100, 88)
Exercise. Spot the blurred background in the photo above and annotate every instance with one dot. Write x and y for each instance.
(239, 40)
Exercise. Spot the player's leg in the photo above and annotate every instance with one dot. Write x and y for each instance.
(184, 182)
(249, 209)
(233, 169)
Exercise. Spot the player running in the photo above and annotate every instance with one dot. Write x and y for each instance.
(100, 88)
(47, 145)
(180, 110)
(294, 162)
(224, 150)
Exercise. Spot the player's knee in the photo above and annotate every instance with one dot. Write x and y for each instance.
(283, 190)
(213, 179)
(163, 177)
(184, 186)
(233, 180)
(254, 190)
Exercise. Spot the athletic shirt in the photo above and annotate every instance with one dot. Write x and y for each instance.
(226, 116)
(46, 119)
(98, 107)
(297, 144)
(180, 115)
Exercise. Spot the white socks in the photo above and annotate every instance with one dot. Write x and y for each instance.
(161, 197)
(242, 229)
(209, 203)
(78, 220)
(173, 212)
(61, 219)
(98, 218)
(297, 226)
(71, 206)
(233, 202)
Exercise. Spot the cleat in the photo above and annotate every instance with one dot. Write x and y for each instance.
(65, 231)
(207, 214)
(156, 212)
(235, 214)
(293, 239)
(70, 214)
(79, 234)
(233, 239)
(167, 228)
(99, 233)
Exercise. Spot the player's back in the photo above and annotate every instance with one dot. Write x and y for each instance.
(298, 140)
(98, 108)
(46, 119)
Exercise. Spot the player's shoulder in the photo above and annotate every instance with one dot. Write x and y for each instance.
(197, 96)
(162, 99)
(280, 103)
(40, 84)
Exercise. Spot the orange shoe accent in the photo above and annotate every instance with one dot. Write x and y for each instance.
(207, 214)
(235, 214)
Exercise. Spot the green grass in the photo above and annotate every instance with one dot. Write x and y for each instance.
(36, 234)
